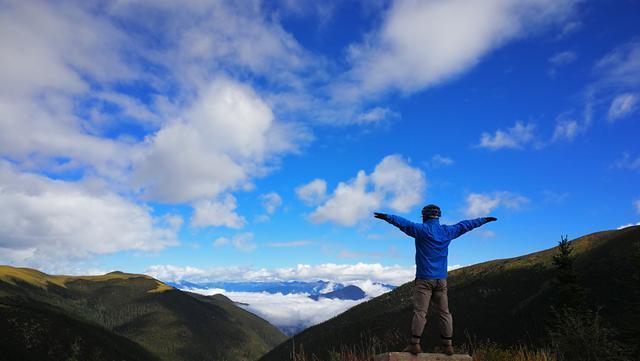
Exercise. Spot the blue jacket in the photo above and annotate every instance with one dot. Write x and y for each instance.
(432, 242)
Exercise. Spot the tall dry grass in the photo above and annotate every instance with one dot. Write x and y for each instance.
(483, 352)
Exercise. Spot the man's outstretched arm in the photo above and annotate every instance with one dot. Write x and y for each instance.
(405, 225)
(463, 227)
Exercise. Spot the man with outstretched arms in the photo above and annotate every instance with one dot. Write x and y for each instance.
(432, 248)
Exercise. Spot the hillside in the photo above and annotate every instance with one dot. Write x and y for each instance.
(506, 301)
(122, 316)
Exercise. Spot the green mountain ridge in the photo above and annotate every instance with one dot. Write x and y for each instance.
(122, 316)
(506, 300)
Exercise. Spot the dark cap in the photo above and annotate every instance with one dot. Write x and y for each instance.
(431, 211)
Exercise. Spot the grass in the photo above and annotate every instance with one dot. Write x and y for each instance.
(42, 280)
(484, 352)
(492, 352)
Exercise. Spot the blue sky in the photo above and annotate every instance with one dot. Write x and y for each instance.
(219, 140)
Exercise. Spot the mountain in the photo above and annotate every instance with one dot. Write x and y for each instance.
(284, 287)
(507, 301)
(122, 316)
(350, 292)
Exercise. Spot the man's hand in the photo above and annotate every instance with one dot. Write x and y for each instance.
(490, 219)
(380, 215)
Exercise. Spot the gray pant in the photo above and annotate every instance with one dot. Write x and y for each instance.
(434, 291)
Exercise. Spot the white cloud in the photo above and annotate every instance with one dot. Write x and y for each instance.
(349, 203)
(621, 67)
(441, 160)
(205, 36)
(629, 225)
(423, 43)
(482, 204)
(287, 311)
(223, 141)
(636, 204)
(627, 162)
(402, 185)
(622, 105)
(392, 184)
(45, 222)
(313, 192)
(341, 273)
(217, 213)
(77, 47)
(516, 137)
(271, 201)
(66, 41)
(566, 129)
(242, 242)
(563, 58)
(376, 115)
(69, 48)
(370, 288)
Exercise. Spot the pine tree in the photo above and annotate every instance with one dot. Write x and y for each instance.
(569, 293)
(578, 333)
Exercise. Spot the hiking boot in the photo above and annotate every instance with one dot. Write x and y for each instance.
(413, 348)
(447, 349)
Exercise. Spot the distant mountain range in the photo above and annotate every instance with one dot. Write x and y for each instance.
(507, 301)
(120, 316)
(313, 288)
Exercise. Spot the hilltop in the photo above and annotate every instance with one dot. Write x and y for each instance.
(122, 316)
(505, 300)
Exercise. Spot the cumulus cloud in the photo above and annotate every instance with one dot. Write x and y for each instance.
(242, 242)
(406, 185)
(349, 203)
(217, 213)
(313, 192)
(516, 137)
(482, 204)
(341, 273)
(223, 141)
(64, 97)
(393, 183)
(46, 221)
(622, 105)
(423, 43)
(68, 48)
(271, 201)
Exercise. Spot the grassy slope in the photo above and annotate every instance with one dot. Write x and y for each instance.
(169, 323)
(506, 301)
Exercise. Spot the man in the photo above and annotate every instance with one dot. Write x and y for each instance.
(432, 247)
